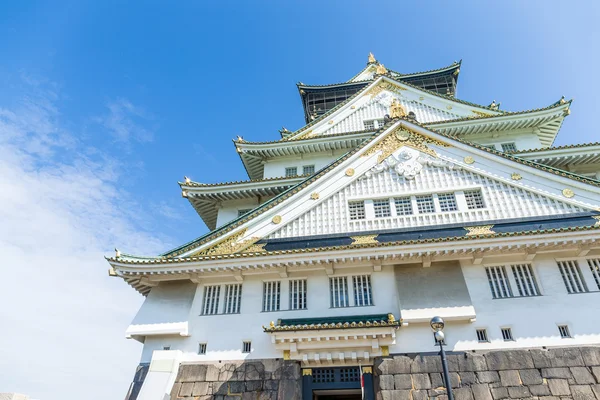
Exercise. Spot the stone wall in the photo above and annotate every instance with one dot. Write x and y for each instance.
(251, 380)
(562, 373)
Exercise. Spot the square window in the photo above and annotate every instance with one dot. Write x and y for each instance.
(564, 331)
(498, 281)
(271, 296)
(369, 125)
(233, 298)
(507, 334)
(210, 303)
(382, 208)
(509, 147)
(403, 206)
(308, 169)
(246, 347)
(526, 284)
(338, 292)
(362, 290)
(357, 210)
(572, 277)
(474, 199)
(202, 348)
(447, 202)
(425, 204)
(482, 336)
(166, 347)
(291, 172)
(298, 294)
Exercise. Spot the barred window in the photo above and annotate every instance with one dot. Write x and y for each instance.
(507, 147)
(271, 296)
(564, 331)
(369, 125)
(246, 346)
(382, 208)
(244, 211)
(507, 334)
(233, 298)
(498, 281)
(403, 206)
(357, 210)
(291, 171)
(425, 204)
(202, 348)
(447, 202)
(362, 290)
(572, 277)
(298, 294)
(338, 291)
(526, 284)
(474, 199)
(308, 169)
(482, 335)
(594, 265)
(210, 303)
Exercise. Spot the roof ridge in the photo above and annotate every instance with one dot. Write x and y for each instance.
(199, 184)
(563, 147)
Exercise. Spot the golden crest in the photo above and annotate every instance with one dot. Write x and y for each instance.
(516, 177)
(399, 137)
(396, 109)
(365, 239)
(568, 193)
(306, 371)
(469, 160)
(229, 245)
(371, 58)
(449, 107)
(276, 219)
(479, 230)
(403, 135)
(381, 70)
(350, 172)
(314, 196)
(390, 87)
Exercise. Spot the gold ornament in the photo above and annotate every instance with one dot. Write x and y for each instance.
(390, 87)
(350, 172)
(480, 114)
(229, 245)
(276, 219)
(365, 239)
(568, 193)
(307, 372)
(385, 351)
(330, 122)
(449, 107)
(399, 137)
(396, 109)
(286, 355)
(516, 177)
(367, 370)
(391, 318)
(314, 196)
(372, 58)
(479, 230)
(381, 70)
(469, 160)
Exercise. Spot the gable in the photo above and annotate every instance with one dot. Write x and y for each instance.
(409, 174)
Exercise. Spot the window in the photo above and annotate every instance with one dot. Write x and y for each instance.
(474, 199)
(308, 169)
(243, 211)
(507, 147)
(362, 290)
(298, 294)
(564, 331)
(447, 202)
(338, 291)
(166, 347)
(425, 204)
(571, 275)
(507, 334)
(482, 336)
(246, 347)
(526, 284)
(498, 282)
(233, 297)
(202, 348)
(291, 171)
(369, 125)
(210, 304)
(380, 123)
(595, 268)
(382, 208)
(357, 210)
(271, 292)
(403, 206)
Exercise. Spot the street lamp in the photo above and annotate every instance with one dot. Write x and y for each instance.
(437, 324)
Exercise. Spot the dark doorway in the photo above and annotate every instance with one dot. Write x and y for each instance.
(337, 394)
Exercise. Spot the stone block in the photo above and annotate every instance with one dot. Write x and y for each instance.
(510, 378)
(220, 388)
(254, 386)
(386, 382)
(395, 395)
(566, 357)
(472, 362)
(426, 364)
(192, 373)
(436, 380)
(212, 373)
(509, 359)
(235, 387)
(559, 387)
(175, 390)
(402, 381)
(518, 392)
(437, 393)
(271, 385)
(562, 373)
(289, 389)
(596, 390)
(467, 378)
(463, 394)
(421, 381)
(201, 388)
(582, 392)
(499, 393)
(255, 371)
(186, 389)
(419, 395)
(454, 380)
(481, 391)
(530, 377)
(549, 398)
(487, 376)
(398, 365)
(591, 356)
(539, 390)
(289, 370)
(582, 375)
(541, 358)
(596, 373)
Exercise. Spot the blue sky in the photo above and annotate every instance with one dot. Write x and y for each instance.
(104, 106)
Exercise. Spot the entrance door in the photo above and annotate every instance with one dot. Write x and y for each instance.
(337, 383)
(337, 395)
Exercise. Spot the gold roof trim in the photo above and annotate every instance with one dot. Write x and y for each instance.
(231, 245)
(402, 136)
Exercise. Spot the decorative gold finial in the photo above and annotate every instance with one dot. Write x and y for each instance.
(272, 325)
(381, 70)
(494, 105)
(187, 180)
(372, 58)
(562, 100)
(396, 109)
(391, 318)
(239, 139)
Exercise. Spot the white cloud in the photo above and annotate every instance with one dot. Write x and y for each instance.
(62, 317)
(125, 121)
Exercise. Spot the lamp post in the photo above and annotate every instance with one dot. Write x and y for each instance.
(437, 324)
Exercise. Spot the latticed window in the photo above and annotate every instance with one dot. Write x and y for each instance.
(233, 298)
(369, 125)
(246, 347)
(572, 277)
(323, 375)
(291, 171)
(298, 294)
(507, 334)
(382, 208)
(474, 199)
(271, 296)
(526, 284)
(447, 202)
(498, 281)
(564, 331)
(508, 147)
(482, 335)
(357, 210)
(403, 206)
(308, 169)
(425, 204)
(210, 302)
(362, 290)
(338, 291)
(244, 211)
(202, 348)
(595, 268)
